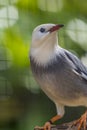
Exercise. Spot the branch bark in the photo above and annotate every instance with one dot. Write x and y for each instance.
(66, 126)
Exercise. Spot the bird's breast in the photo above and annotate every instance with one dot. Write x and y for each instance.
(59, 83)
(45, 76)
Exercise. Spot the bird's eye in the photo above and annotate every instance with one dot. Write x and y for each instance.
(42, 30)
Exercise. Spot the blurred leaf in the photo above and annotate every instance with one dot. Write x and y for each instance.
(18, 48)
(28, 4)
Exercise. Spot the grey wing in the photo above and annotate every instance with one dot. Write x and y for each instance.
(77, 66)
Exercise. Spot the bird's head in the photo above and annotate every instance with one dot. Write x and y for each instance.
(44, 32)
(44, 42)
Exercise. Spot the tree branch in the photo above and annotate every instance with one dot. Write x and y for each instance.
(66, 126)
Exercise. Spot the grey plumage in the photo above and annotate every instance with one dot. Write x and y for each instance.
(61, 74)
(63, 78)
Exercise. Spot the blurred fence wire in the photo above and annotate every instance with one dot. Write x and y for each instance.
(17, 20)
(5, 86)
(8, 17)
(16, 25)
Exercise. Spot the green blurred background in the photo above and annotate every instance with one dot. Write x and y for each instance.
(22, 104)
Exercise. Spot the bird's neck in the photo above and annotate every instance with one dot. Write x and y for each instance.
(45, 53)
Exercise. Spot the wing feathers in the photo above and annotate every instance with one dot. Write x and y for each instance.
(81, 74)
(78, 67)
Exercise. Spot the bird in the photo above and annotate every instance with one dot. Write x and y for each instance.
(60, 73)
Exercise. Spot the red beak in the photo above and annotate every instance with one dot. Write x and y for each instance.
(56, 27)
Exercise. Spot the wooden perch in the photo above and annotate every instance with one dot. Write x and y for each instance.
(66, 126)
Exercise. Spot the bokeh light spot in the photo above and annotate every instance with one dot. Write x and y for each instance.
(8, 16)
(77, 31)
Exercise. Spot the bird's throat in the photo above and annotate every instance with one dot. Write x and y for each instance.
(44, 55)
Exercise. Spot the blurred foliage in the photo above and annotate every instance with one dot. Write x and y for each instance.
(22, 104)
